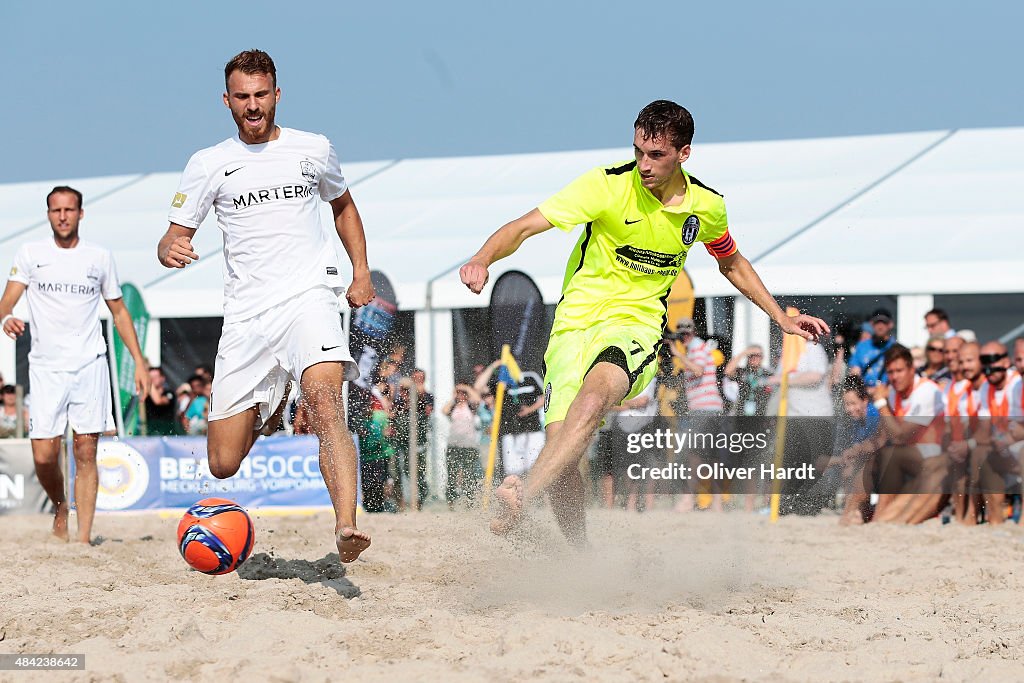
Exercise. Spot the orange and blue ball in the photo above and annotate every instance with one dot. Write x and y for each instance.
(215, 536)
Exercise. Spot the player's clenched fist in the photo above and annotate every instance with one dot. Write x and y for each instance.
(360, 292)
(474, 275)
(178, 253)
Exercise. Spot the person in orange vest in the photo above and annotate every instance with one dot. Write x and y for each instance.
(993, 465)
(962, 401)
(913, 467)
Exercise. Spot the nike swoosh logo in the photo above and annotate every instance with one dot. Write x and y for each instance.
(632, 222)
(42, 265)
(227, 173)
(328, 348)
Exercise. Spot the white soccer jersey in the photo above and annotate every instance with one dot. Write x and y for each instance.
(65, 287)
(1015, 393)
(994, 402)
(922, 405)
(267, 200)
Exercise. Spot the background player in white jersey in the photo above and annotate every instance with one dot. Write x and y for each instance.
(281, 312)
(65, 278)
(913, 468)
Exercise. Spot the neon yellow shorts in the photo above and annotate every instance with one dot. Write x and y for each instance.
(571, 355)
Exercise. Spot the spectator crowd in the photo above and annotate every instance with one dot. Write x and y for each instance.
(895, 433)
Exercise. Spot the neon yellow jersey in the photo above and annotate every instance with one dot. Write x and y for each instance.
(632, 248)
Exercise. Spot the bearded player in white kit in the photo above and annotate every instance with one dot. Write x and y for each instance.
(64, 279)
(281, 312)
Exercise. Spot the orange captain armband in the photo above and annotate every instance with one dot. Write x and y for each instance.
(722, 247)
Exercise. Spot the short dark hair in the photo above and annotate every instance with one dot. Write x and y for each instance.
(8, 389)
(251, 62)
(64, 188)
(938, 313)
(663, 118)
(898, 352)
(855, 384)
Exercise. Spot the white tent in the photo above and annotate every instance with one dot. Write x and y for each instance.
(882, 214)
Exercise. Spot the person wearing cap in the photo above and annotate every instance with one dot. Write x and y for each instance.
(641, 218)
(867, 357)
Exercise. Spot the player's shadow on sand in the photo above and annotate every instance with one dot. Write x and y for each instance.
(327, 571)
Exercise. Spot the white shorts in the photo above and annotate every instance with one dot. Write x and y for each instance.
(256, 356)
(520, 451)
(81, 397)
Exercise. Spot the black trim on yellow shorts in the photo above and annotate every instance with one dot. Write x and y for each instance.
(617, 357)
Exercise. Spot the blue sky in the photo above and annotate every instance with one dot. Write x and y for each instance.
(104, 88)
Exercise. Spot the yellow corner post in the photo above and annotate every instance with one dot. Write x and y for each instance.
(792, 349)
(510, 365)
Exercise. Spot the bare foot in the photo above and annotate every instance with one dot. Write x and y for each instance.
(851, 519)
(351, 542)
(60, 522)
(510, 505)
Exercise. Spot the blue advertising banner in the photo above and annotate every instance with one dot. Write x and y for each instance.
(149, 473)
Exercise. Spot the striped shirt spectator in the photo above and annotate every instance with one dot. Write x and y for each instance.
(702, 395)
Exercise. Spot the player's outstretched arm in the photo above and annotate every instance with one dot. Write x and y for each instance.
(504, 242)
(175, 248)
(349, 225)
(13, 327)
(739, 271)
(123, 323)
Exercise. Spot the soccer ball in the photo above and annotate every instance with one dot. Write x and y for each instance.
(215, 536)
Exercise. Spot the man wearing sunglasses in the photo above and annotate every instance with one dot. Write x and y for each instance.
(996, 463)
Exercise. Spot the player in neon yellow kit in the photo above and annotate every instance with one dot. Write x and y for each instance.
(641, 219)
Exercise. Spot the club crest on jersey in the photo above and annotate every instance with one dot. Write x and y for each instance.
(691, 226)
(308, 170)
(93, 273)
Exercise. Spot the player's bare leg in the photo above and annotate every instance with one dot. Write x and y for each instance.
(857, 505)
(992, 477)
(86, 483)
(567, 497)
(929, 483)
(228, 442)
(46, 456)
(605, 386)
(890, 482)
(321, 390)
(908, 462)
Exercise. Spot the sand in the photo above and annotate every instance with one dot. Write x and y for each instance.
(661, 596)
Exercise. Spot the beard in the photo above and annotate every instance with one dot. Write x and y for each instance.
(259, 134)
